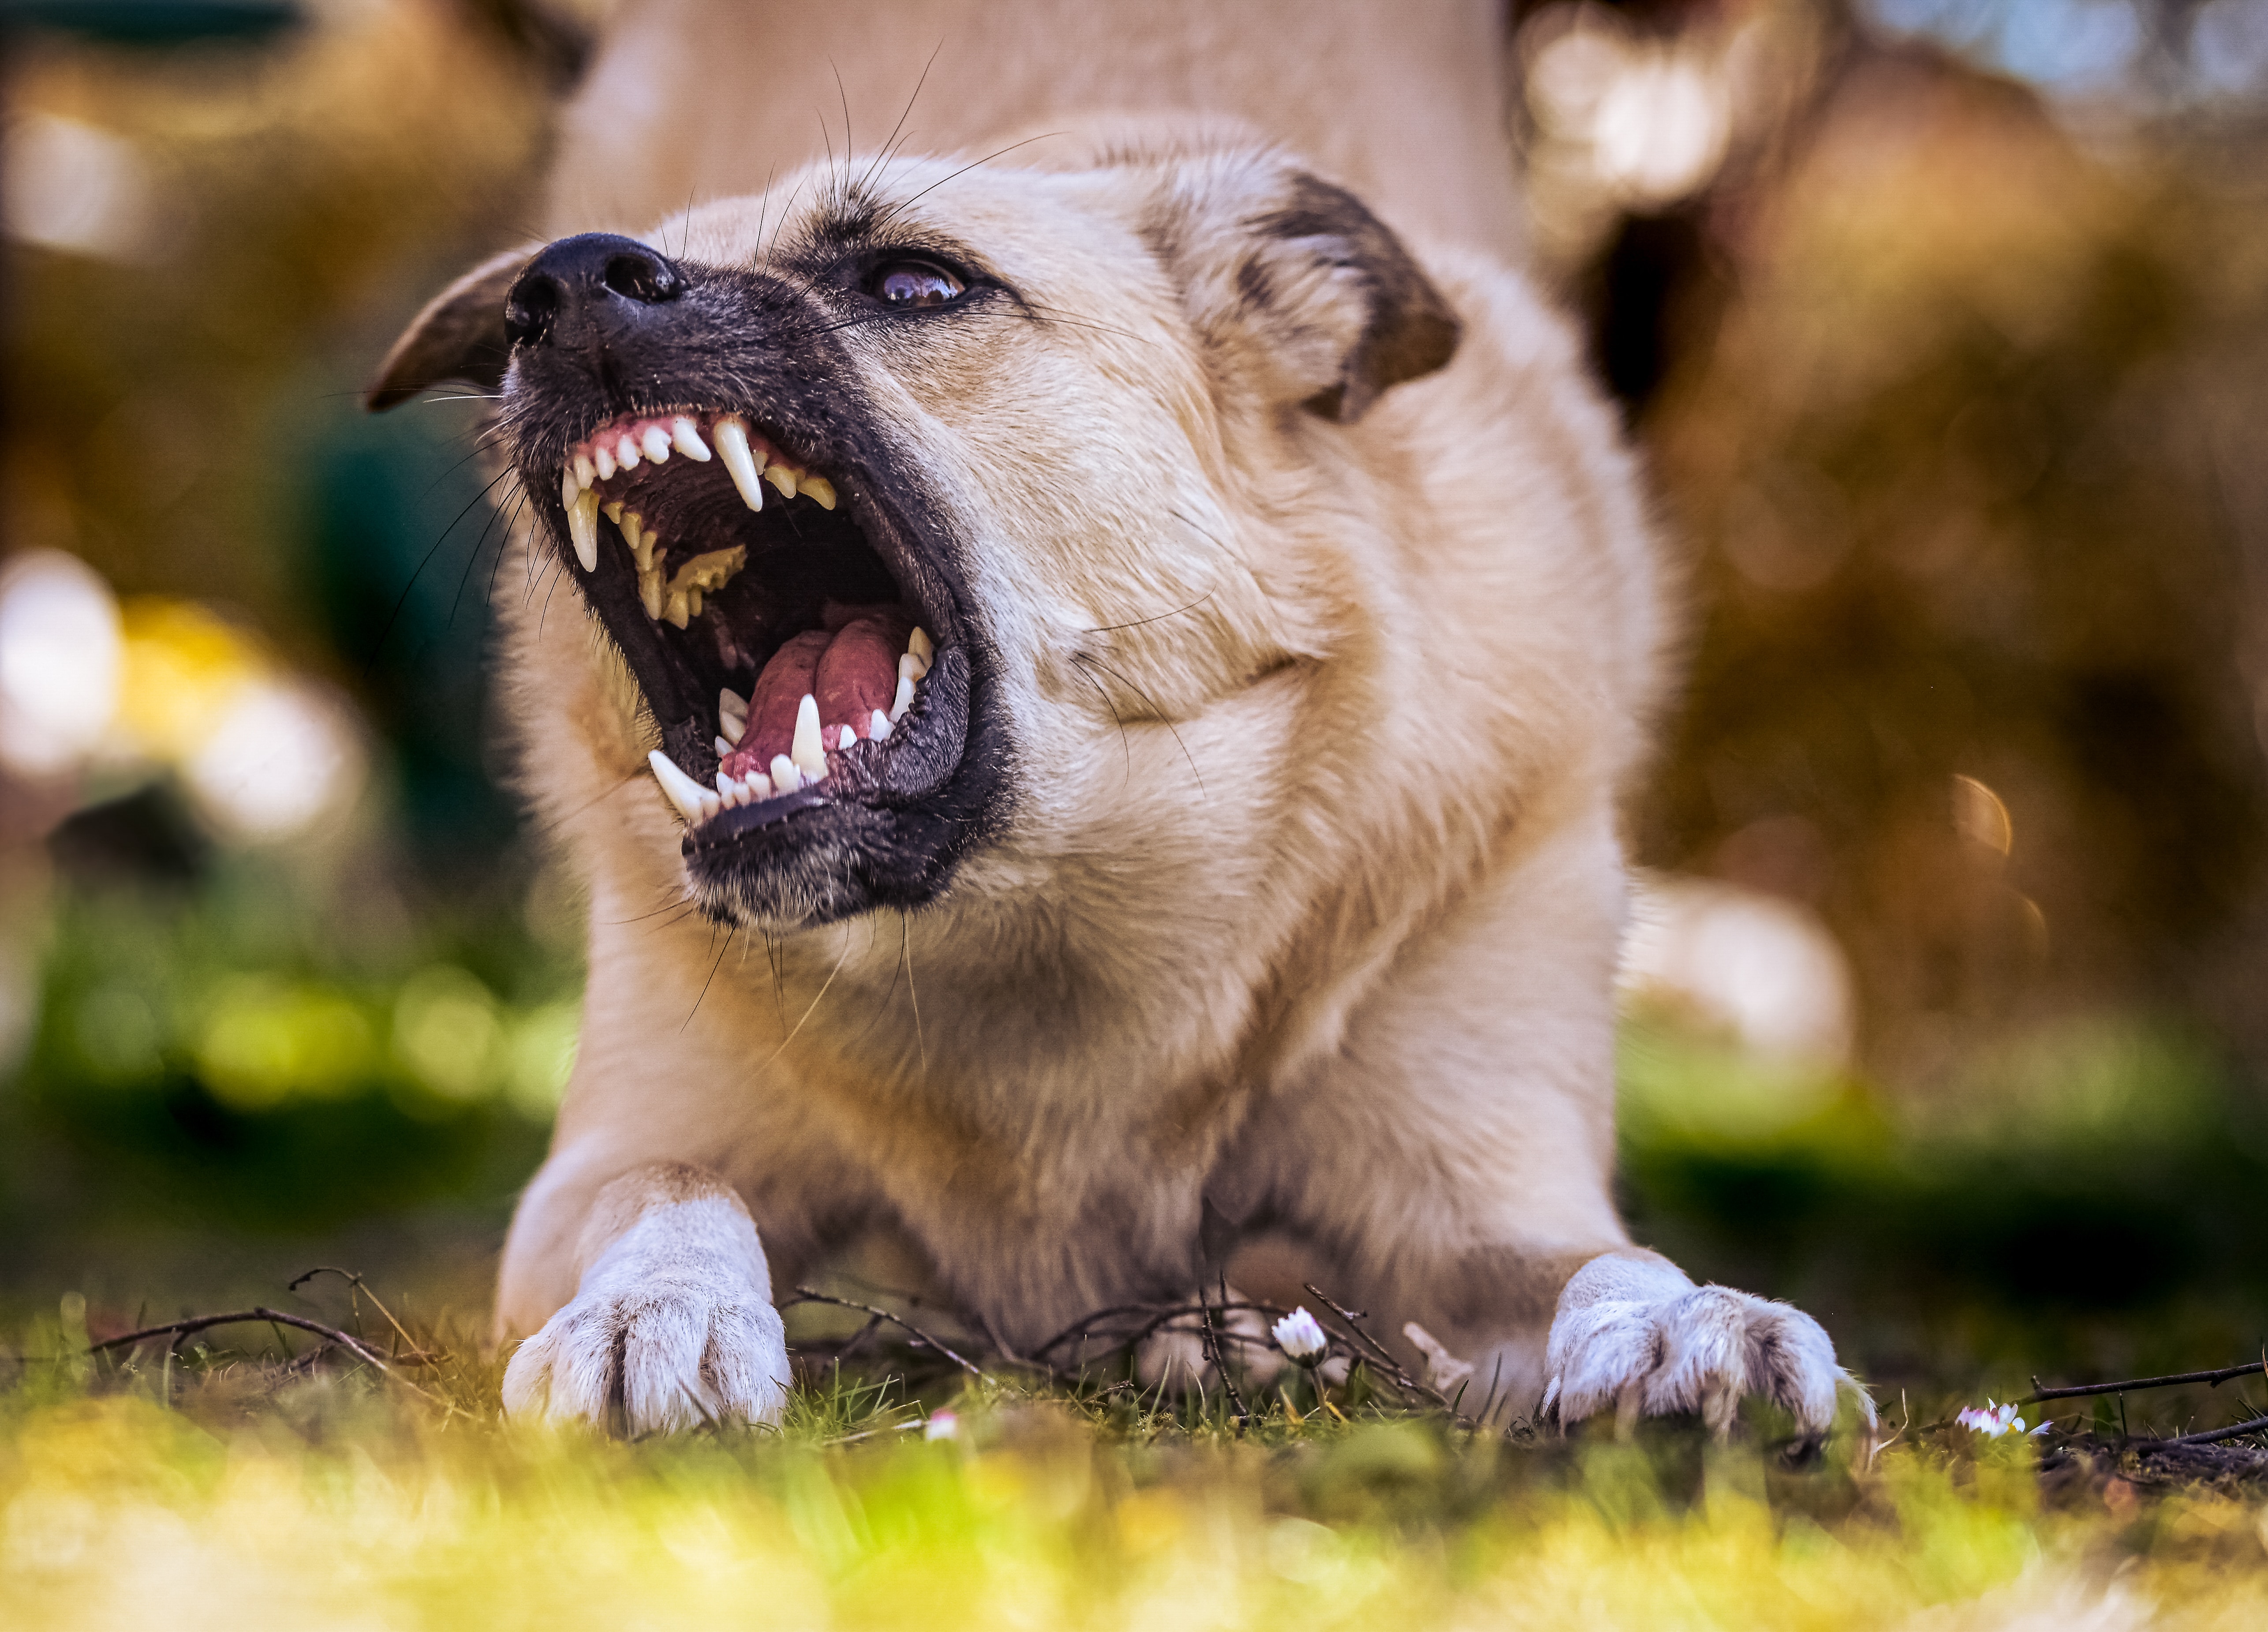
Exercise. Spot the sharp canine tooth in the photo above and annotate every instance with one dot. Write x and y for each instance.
(877, 728)
(583, 528)
(709, 804)
(585, 472)
(911, 667)
(685, 436)
(848, 739)
(733, 442)
(685, 793)
(917, 643)
(820, 491)
(606, 459)
(569, 490)
(733, 714)
(626, 452)
(650, 592)
(904, 699)
(655, 444)
(781, 477)
(786, 778)
(809, 751)
(723, 749)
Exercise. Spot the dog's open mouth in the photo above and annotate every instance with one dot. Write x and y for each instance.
(742, 589)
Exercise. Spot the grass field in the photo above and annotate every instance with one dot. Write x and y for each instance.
(225, 1487)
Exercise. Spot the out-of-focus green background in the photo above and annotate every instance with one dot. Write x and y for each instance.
(1944, 327)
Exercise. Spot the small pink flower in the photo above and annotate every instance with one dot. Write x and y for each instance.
(1993, 1420)
(941, 1425)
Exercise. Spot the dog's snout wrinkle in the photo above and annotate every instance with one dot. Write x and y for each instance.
(593, 285)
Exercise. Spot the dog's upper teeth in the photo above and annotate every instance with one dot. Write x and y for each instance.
(917, 643)
(685, 437)
(733, 714)
(782, 477)
(585, 472)
(605, 458)
(583, 529)
(687, 794)
(626, 452)
(911, 668)
(786, 778)
(654, 443)
(569, 489)
(809, 751)
(819, 491)
(904, 699)
(731, 434)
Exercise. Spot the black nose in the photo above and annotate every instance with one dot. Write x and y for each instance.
(595, 282)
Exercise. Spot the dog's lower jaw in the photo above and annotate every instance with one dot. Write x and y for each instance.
(672, 1325)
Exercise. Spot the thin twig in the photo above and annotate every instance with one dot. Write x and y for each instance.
(1399, 1377)
(178, 1329)
(362, 1287)
(2211, 1378)
(805, 1294)
(2257, 1425)
(1219, 1360)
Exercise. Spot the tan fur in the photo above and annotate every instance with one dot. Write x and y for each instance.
(1310, 900)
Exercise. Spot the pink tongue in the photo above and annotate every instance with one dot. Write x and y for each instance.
(850, 666)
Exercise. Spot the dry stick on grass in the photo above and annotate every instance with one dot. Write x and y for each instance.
(1156, 1315)
(177, 1330)
(2257, 1425)
(2211, 1378)
(1401, 1379)
(417, 1354)
(1219, 1360)
(805, 1294)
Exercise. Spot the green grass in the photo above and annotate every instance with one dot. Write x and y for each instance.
(225, 1488)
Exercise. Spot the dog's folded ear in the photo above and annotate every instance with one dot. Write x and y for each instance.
(459, 336)
(1307, 296)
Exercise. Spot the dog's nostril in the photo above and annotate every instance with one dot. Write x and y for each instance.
(530, 307)
(643, 277)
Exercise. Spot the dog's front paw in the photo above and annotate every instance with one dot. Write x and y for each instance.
(663, 1334)
(1635, 1335)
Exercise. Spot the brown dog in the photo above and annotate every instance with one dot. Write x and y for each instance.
(1136, 659)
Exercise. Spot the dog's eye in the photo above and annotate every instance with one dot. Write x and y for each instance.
(913, 284)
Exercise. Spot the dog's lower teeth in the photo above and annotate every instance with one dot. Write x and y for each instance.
(786, 778)
(877, 728)
(904, 699)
